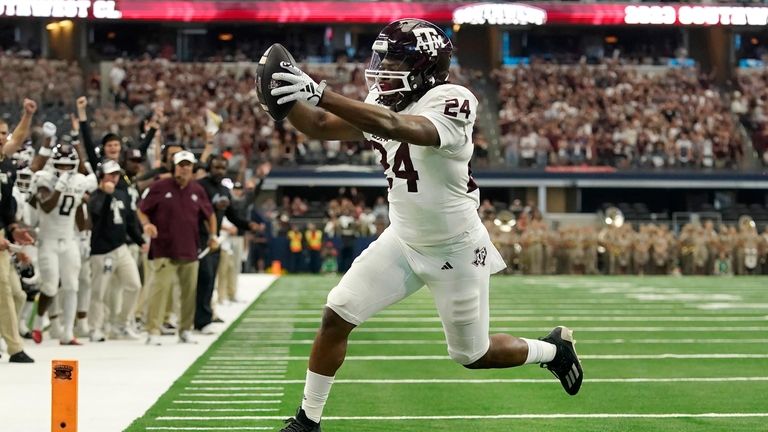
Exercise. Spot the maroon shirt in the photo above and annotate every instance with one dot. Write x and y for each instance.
(175, 212)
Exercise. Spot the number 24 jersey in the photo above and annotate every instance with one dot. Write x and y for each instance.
(432, 195)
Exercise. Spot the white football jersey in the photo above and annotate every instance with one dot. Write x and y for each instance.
(432, 195)
(60, 222)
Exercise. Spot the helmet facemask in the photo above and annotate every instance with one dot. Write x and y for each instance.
(388, 76)
(24, 180)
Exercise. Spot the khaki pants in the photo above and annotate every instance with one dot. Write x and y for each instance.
(19, 296)
(226, 279)
(166, 271)
(113, 272)
(149, 276)
(9, 321)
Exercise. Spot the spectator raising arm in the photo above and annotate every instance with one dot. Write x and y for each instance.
(85, 133)
(22, 130)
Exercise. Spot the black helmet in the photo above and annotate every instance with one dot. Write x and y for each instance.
(413, 51)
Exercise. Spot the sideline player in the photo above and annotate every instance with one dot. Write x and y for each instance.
(59, 196)
(422, 127)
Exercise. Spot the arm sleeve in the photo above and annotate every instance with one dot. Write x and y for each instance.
(150, 199)
(453, 110)
(147, 141)
(98, 202)
(9, 214)
(206, 208)
(235, 218)
(90, 147)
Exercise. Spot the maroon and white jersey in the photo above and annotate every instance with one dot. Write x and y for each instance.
(432, 195)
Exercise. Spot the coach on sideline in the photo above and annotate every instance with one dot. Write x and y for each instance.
(169, 212)
(113, 268)
(221, 199)
(10, 230)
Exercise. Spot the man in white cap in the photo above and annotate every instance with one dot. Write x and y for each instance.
(169, 213)
(112, 266)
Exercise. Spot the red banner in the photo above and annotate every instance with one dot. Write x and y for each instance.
(300, 12)
(329, 12)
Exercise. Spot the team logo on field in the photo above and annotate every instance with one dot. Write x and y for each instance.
(62, 372)
(480, 254)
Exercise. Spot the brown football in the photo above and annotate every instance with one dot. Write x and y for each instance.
(268, 64)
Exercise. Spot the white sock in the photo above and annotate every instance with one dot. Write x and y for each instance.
(38, 325)
(26, 312)
(69, 311)
(316, 389)
(539, 351)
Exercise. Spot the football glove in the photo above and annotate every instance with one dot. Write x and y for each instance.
(301, 88)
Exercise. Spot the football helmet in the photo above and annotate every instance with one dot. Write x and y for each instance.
(24, 180)
(65, 158)
(410, 56)
(23, 157)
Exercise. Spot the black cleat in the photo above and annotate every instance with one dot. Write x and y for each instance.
(300, 423)
(20, 357)
(565, 366)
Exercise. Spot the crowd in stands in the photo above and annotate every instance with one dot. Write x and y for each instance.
(612, 115)
(750, 103)
(549, 115)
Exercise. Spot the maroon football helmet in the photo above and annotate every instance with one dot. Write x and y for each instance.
(65, 158)
(410, 56)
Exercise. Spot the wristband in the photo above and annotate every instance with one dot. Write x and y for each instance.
(44, 152)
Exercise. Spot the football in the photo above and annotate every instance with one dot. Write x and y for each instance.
(268, 64)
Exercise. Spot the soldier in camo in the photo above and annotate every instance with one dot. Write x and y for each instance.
(641, 249)
(747, 245)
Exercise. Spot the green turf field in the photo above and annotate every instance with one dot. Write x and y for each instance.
(659, 354)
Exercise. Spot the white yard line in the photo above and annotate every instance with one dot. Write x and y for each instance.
(232, 388)
(488, 417)
(215, 428)
(580, 341)
(367, 329)
(213, 402)
(582, 357)
(223, 409)
(535, 318)
(231, 394)
(508, 380)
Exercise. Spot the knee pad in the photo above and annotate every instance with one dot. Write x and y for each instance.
(342, 302)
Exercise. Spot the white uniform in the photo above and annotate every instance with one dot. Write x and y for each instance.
(58, 245)
(436, 237)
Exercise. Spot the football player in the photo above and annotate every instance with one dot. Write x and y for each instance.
(422, 127)
(58, 196)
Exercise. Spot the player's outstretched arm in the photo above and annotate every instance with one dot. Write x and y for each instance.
(320, 124)
(345, 114)
(382, 122)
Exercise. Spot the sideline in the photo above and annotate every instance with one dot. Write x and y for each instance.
(119, 380)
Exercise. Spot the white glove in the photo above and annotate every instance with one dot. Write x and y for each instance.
(49, 130)
(302, 88)
(42, 179)
(63, 182)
